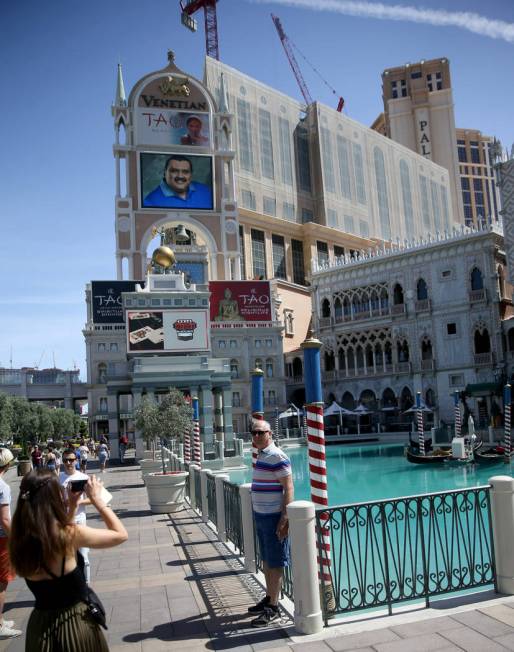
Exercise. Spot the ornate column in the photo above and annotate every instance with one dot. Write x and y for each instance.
(218, 413)
(206, 433)
(227, 413)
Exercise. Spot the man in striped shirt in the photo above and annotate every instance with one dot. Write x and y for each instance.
(272, 490)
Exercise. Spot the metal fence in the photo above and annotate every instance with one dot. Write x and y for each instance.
(188, 484)
(198, 491)
(391, 551)
(233, 518)
(211, 500)
(287, 578)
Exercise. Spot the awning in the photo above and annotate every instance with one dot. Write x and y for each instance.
(483, 389)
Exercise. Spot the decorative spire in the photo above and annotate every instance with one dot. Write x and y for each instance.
(223, 107)
(121, 99)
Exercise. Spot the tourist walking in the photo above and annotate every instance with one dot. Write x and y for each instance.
(122, 444)
(36, 456)
(272, 491)
(103, 456)
(84, 455)
(43, 545)
(7, 629)
(71, 474)
(51, 459)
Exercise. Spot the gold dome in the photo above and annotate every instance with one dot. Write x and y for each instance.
(163, 256)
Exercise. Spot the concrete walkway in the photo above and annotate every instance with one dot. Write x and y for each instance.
(172, 586)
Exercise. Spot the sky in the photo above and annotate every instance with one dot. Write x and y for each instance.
(58, 69)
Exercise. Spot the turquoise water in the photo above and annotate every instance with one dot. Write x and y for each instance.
(367, 473)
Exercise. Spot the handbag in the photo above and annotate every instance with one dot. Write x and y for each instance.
(94, 605)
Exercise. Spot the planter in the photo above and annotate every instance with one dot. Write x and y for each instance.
(24, 467)
(166, 493)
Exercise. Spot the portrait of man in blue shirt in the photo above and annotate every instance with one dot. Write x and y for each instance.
(177, 188)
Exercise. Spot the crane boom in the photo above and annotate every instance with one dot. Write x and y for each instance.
(189, 7)
(292, 59)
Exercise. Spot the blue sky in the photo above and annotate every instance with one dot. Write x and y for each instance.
(58, 68)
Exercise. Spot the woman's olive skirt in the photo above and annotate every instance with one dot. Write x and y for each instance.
(64, 630)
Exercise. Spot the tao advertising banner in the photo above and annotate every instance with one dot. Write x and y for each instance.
(233, 301)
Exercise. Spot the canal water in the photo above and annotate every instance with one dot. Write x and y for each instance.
(370, 472)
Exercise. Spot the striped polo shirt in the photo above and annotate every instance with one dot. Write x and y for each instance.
(271, 464)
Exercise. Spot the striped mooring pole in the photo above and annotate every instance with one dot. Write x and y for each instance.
(421, 430)
(507, 442)
(257, 402)
(187, 446)
(197, 456)
(317, 461)
(458, 417)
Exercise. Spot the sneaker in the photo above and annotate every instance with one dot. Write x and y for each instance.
(8, 623)
(259, 607)
(268, 616)
(9, 632)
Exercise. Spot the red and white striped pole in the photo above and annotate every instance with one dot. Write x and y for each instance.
(187, 446)
(317, 461)
(197, 456)
(458, 417)
(507, 441)
(257, 402)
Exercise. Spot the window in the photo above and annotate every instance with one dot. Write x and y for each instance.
(236, 399)
(446, 274)
(244, 130)
(477, 280)
(451, 328)
(113, 347)
(266, 145)
(247, 199)
(322, 249)
(286, 168)
(416, 75)
(383, 205)
(456, 380)
(103, 404)
(101, 347)
(344, 167)
(475, 155)
(307, 216)
(258, 344)
(258, 363)
(288, 212)
(272, 398)
(338, 251)
(328, 168)
(425, 209)
(444, 206)
(421, 290)
(463, 157)
(269, 368)
(349, 225)
(269, 206)
(364, 228)
(234, 369)
(233, 344)
(358, 168)
(303, 156)
(242, 249)
(435, 205)
(258, 254)
(102, 373)
(407, 196)
(332, 218)
(222, 344)
(269, 343)
(298, 264)
(279, 256)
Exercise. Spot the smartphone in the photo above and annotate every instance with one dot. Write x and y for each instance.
(77, 486)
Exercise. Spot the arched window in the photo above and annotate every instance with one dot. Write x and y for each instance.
(331, 398)
(388, 350)
(384, 299)
(234, 369)
(325, 308)
(482, 341)
(346, 308)
(407, 197)
(272, 397)
(338, 308)
(477, 280)
(269, 368)
(375, 304)
(360, 358)
(347, 401)
(102, 373)
(388, 398)
(368, 399)
(369, 356)
(103, 404)
(329, 361)
(383, 204)
(350, 357)
(426, 349)
(340, 355)
(501, 281)
(297, 368)
(421, 290)
(406, 400)
(402, 349)
(113, 347)
(430, 398)
(397, 294)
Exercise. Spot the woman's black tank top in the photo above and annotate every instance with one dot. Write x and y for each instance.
(59, 592)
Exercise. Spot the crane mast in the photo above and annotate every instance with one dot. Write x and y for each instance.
(292, 59)
(189, 7)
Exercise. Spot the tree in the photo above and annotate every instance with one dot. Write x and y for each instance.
(25, 421)
(44, 426)
(6, 417)
(145, 416)
(63, 422)
(83, 429)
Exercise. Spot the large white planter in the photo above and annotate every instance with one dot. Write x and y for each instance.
(166, 493)
(150, 466)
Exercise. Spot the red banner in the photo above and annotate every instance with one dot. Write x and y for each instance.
(233, 301)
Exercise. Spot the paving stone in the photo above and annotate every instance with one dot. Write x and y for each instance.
(500, 612)
(484, 624)
(362, 639)
(424, 643)
(472, 641)
(425, 626)
(507, 640)
(311, 646)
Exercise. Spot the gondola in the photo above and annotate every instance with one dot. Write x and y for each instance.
(437, 457)
(491, 455)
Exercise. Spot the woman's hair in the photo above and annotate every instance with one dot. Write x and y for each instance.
(39, 528)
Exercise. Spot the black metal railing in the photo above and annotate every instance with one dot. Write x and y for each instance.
(287, 578)
(188, 483)
(391, 551)
(211, 500)
(233, 518)
(198, 490)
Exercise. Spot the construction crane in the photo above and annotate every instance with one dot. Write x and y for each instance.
(288, 48)
(189, 7)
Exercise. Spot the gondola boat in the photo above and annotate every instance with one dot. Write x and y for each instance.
(491, 455)
(439, 456)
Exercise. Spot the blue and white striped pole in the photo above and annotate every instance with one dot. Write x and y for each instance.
(257, 402)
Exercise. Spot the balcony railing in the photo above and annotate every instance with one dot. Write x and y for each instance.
(402, 368)
(399, 309)
(427, 365)
(423, 305)
(476, 296)
(484, 358)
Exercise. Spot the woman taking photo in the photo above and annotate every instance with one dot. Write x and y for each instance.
(43, 545)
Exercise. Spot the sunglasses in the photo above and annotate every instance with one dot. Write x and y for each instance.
(68, 460)
(259, 432)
